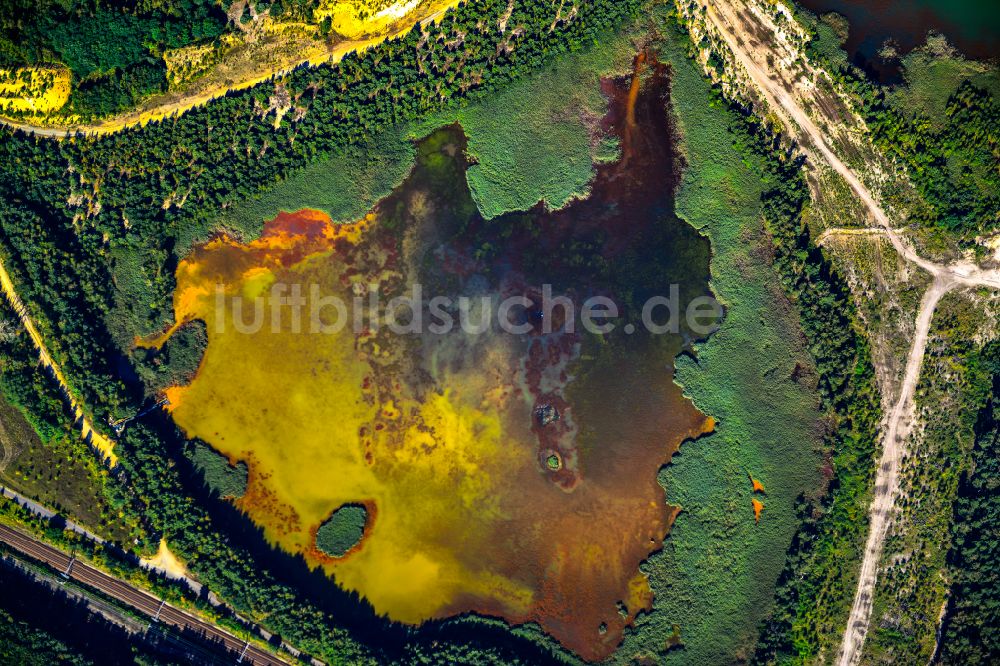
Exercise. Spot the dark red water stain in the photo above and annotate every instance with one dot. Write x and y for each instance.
(621, 223)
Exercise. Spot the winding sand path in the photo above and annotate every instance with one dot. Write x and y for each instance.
(103, 444)
(898, 425)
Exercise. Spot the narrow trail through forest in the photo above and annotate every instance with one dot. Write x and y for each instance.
(897, 429)
(102, 444)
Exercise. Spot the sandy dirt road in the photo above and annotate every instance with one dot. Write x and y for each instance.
(781, 101)
(894, 447)
(726, 17)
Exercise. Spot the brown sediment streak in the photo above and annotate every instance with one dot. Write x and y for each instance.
(634, 88)
(157, 341)
(447, 438)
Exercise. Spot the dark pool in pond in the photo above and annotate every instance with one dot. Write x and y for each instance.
(972, 26)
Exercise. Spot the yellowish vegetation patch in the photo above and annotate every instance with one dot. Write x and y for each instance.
(34, 89)
(185, 63)
(361, 18)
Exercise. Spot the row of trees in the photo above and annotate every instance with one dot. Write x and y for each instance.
(970, 633)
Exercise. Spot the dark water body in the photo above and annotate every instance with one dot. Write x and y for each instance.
(624, 241)
(973, 26)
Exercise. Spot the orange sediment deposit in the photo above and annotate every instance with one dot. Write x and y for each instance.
(513, 475)
(758, 487)
(758, 508)
(634, 88)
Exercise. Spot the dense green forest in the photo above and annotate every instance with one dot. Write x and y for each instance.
(176, 362)
(92, 229)
(226, 480)
(24, 643)
(970, 633)
(113, 47)
(954, 162)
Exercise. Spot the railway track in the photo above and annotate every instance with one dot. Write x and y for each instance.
(156, 609)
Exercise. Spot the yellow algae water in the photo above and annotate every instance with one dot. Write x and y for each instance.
(513, 475)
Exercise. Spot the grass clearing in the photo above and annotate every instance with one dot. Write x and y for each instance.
(545, 149)
(59, 473)
(357, 19)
